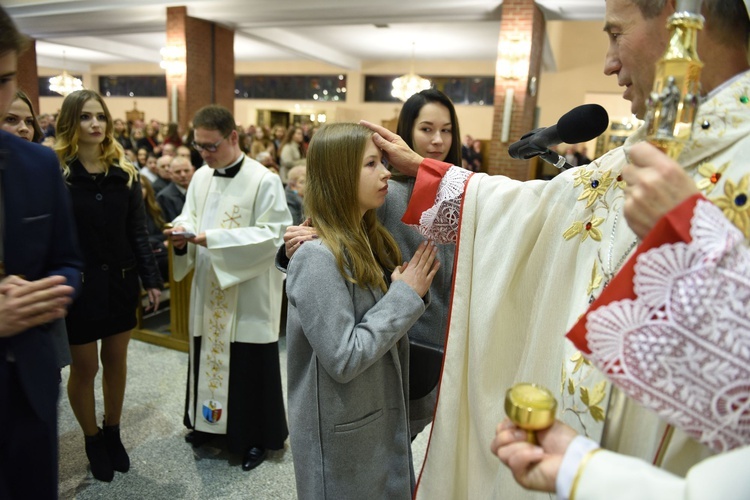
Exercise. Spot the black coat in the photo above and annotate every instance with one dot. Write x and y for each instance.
(112, 234)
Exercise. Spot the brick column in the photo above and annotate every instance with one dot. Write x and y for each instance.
(520, 57)
(28, 76)
(208, 76)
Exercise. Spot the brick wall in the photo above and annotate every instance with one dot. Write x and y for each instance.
(27, 75)
(224, 66)
(523, 23)
(209, 64)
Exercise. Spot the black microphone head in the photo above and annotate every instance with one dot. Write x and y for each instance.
(582, 124)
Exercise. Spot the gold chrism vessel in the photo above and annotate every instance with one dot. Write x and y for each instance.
(530, 407)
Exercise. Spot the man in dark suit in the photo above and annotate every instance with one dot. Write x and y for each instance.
(171, 199)
(163, 178)
(40, 270)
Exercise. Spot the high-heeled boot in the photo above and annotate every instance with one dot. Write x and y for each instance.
(118, 457)
(96, 451)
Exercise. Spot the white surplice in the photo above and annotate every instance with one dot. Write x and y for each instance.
(236, 290)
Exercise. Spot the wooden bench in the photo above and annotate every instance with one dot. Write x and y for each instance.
(178, 336)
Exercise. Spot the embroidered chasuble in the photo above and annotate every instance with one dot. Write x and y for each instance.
(673, 327)
(236, 290)
(531, 256)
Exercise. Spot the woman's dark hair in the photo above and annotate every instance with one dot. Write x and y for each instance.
(38, 134)
(410, 112)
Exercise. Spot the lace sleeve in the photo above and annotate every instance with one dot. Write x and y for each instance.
(682, 347)
(440, 222)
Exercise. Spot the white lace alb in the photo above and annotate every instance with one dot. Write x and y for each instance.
(682, 347)
(440, 222)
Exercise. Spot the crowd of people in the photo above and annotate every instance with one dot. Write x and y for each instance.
(410, 275)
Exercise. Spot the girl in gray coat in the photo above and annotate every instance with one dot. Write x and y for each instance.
(428, 124)
(350, 306)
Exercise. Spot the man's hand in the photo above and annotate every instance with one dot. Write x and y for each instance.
(656, 185)
(26, 304)
(420, 271)
(198, 239)
(534, 467)
(296, 235)
(398, 153)
(178, 241)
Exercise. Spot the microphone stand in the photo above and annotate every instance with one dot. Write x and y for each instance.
(532, 149)
(555, 159)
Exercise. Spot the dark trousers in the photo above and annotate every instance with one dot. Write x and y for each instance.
(28, 444)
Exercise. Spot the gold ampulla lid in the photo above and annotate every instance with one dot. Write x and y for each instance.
(530, 406)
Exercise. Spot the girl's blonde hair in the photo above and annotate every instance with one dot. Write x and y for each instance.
(363, 248)
(67, 130)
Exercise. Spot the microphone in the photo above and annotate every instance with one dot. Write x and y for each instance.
(580, 124)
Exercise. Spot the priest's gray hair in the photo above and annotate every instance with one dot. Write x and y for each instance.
(650, 8)
(728, 19)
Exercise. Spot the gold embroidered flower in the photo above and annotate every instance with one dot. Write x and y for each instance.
(596, 188)
(711, 176)
(586, 229)
(582, 176)
(736, 204)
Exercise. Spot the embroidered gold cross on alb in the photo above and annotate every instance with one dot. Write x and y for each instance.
(232, 220)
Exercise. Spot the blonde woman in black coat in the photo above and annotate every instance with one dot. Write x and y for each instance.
(108, 208)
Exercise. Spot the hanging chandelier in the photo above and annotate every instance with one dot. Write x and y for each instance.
(409, 84)
(65, 83)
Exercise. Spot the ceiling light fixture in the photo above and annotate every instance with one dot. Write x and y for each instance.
(409, 84)
(173, 60)
(65, 83)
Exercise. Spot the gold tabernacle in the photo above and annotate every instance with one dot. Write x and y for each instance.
(674, 99)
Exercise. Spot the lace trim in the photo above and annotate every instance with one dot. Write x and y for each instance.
(682, 348)
(440, 222)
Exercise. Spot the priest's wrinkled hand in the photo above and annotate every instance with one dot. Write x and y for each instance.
(295, 236)
(397, 152)
(419, 272)
(534, 467)
(656, 184)
(25, 304)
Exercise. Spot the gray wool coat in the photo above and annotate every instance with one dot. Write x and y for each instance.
(432, 326)
(347, 372)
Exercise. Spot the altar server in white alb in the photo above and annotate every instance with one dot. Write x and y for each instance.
(233, 221)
